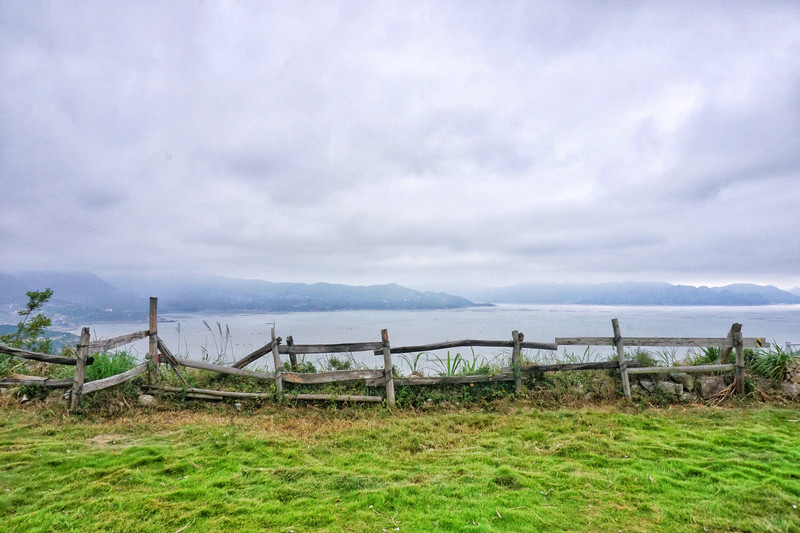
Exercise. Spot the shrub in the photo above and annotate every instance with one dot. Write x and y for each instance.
(707, 356)
(643, 357)
(772, 363)
(109, 364)
(335, 363)
(31, 329)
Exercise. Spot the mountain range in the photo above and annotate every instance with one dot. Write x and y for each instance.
(635, 293)
(82, 297)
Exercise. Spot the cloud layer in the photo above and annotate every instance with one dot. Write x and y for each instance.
(428, 144)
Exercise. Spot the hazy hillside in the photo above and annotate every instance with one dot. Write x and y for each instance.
(632, 293)
(84, 297)
(81, 297)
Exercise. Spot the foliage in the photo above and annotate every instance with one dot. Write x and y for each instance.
(425, 396)
(772, 363)
(643, 357)
(109, 364)
(707, 356)
(477, 365)
(31, 329)
(413, 361)
(337, 363)
(311, 469)
(448, 366)
(306, 367)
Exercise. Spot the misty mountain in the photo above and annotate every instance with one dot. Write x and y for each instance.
(634, 293)
(75, 295)
(202, 293)
(84, 297)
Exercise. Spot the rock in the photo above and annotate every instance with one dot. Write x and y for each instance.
(687, 380)
(791, 389)
(668, 387)
(688, 397)
(147, 400)
(709, 385)
(647, 385)
(238, 406)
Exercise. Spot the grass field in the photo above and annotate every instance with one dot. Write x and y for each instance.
(516, 468)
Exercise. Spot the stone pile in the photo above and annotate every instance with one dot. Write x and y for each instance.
(680, 385)
(791, 379)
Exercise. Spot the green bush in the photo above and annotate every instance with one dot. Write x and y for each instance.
(303, 366)
(109, 364)
(335, 363)
(643, 357)
(772, 363)
(706, 356)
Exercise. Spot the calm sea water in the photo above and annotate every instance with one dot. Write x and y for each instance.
(188, 336)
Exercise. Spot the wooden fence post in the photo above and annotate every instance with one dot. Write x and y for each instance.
(292, 355)
(152, 353)
(276, 358)
(516, 366)
(80, 370)
(623, 364)
(738, 343)
(387, 368)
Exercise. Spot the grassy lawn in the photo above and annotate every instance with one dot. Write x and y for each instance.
(517, 468)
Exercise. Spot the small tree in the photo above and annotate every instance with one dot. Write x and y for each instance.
(30, 330)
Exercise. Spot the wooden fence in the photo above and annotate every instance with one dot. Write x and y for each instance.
(159, 353)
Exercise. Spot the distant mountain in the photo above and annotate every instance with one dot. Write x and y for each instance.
(84, 297)
(204, 293)
(634, 293)
(76, 295)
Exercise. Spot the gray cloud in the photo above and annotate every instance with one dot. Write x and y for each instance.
(426, 144)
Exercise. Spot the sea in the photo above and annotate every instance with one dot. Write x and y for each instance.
(225, 338)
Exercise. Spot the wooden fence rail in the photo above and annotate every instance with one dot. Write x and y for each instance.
(471, 343)
(685, 342)
(42, 357)
(110, 344)
(34, 381)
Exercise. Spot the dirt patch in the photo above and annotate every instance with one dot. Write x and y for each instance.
(109, 440)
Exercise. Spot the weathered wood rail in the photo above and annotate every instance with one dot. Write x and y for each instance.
(384, 377)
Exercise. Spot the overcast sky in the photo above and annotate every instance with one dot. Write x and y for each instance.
(430, 144)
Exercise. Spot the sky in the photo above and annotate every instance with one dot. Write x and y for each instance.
(432, 144)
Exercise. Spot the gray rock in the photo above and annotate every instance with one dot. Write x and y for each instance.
(709, 385)
(668, 387)
(791, 389)
(688, 397)
(687, 380)
(647, 385)
(147, 400)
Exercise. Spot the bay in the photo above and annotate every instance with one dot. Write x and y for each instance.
(226, 338)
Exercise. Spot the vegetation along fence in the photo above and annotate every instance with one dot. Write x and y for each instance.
(159, 353)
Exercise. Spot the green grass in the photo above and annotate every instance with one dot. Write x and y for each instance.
(517, 468)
